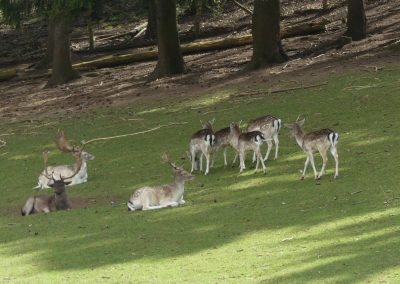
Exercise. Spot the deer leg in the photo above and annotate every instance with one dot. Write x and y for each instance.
(269, 143)
(262, 163)
(324, 160)
(234, 159)
(181, 201)
(241, 162)
(276, 140)
(305, 167)
(201, 162)
(225, 161)
(193, 158)
(313, 165)
(336, 157)
(258, 161)
(254, 157)
(207, 163)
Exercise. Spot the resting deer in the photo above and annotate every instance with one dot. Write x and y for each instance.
(157, 197)
(75, 173)
(45, 204)
(201, 144)
(243, 142)
(269, 126)
(320, 140)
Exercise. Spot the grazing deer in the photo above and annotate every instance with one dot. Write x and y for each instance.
(157, 197)
(201, 144)
(75, 173)
(269, 126)
(58, 201)
(320, 140)
(243, 142)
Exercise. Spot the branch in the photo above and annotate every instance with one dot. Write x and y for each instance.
(244, 8)
(2, 143)
(132, 134)
(260, 92)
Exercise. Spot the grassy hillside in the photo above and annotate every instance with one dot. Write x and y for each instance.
(234, 228)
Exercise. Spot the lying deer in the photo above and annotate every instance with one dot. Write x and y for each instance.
(157, 197)
(243, 142)
(269, 126)
(45, 204)
(320, 140)
(75, 173)
(201, 144)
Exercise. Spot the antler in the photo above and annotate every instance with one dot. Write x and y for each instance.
(78, 160)
(165, 159)
(45, 160)
(64, 146)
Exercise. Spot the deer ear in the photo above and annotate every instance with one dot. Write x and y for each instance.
(301, 122)
(67, 182)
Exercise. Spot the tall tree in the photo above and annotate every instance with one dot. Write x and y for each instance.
(266, 33)
(170, 59)
(356, 20)
(151, 30)
(47, 59)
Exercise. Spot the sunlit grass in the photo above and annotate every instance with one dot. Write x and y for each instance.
(235, 228)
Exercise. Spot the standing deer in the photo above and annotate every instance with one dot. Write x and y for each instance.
(45, 204)
(157, 197)
(320, 140)
(201, 144)
(243, 142)
(269, 126)
(75, 173)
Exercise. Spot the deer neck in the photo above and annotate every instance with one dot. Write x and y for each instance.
(299, 136)
(179, 185)
(235, 139)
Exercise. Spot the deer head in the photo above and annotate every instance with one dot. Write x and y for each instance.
(178, 171)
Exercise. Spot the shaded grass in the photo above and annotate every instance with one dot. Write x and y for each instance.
(233, 228)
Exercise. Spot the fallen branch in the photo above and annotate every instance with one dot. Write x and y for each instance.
(6, 74)
(261, 92)
(244, 8)
(132, 134)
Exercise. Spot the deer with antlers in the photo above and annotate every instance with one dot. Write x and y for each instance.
(200, 145)
(320, 140)
(157, 197)
(75, 173)
(45, 204)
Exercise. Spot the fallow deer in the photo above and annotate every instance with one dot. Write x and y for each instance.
(157, 197)
(243, 142)
(45, 204)
(75, 173)
(269, 126)
(201, 144)
(320, 140)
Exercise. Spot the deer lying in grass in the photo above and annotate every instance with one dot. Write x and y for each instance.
(201, 144)
(157, 197)
(320, 140)
(269, 126)
(243, 142)
(45, 204)
(75, 173)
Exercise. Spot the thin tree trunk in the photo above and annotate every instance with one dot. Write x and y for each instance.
(266, 33)
(356, 20)
(170, 59)
(151, 30)
(47, 59)
(62, 68)
(197, 18)
(90, 32)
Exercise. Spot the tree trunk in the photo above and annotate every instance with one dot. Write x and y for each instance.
(197, 18)
(266, 33)
(170, 59)
(90, 32)
(151, 30)
(356, 20)
(47, 59)
(62, 68)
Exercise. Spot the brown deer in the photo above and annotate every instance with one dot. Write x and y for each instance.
(157, 197)
(320, 140)
(201, 143)
(45, 204)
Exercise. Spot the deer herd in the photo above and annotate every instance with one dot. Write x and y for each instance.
(204, 143)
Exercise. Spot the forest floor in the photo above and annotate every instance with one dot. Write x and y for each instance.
(310, 56)
(235, 228)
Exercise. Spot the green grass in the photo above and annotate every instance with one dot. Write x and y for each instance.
(234, 228)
